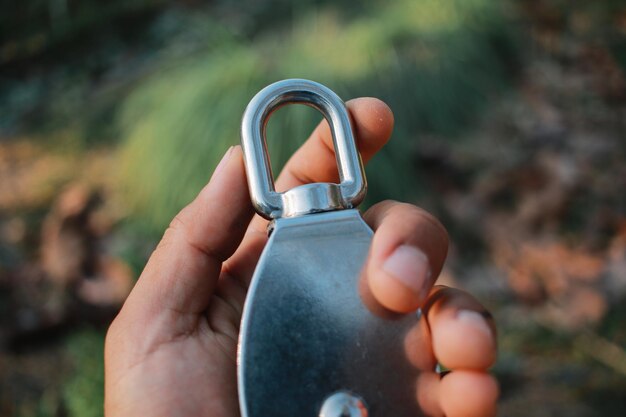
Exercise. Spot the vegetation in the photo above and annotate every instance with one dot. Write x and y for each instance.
(509, 128)
(420, 57)
(83, 393)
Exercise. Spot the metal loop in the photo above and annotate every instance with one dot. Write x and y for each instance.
(308, 198)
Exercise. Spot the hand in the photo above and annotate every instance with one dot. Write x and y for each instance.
(171, 350)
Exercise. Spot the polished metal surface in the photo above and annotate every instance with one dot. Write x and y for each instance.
(311, 198)
(343, 404)
(309, 345)
(306, 332)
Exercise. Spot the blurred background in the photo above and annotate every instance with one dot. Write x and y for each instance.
(510, 127)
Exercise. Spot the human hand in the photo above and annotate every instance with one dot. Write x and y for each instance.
(171, 351)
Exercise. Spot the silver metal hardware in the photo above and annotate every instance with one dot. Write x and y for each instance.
(343, 404)
(309, 345)
(309, 198)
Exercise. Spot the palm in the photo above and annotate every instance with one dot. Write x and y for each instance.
(192, 362)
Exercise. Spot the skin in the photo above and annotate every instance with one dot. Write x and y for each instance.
(171, 350)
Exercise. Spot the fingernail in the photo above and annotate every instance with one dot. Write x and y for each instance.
(223, 162)
(474, 319)
(410, 266)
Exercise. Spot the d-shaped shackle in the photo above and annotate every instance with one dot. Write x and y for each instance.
(308, 198)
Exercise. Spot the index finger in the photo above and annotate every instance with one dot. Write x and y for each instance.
(372, 121)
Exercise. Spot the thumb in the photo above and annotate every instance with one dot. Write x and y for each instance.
(183, 270)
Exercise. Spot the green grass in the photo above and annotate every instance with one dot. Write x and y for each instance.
(436, 63)
(83, 394)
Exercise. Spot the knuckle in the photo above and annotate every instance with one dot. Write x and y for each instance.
(176, 226)
(414, 214)
(411, 223)
(414, 218)
(379, 211)
(177, 222)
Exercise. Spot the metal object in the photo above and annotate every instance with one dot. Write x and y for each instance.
(343, 404)
(310, 198)
(309, 346)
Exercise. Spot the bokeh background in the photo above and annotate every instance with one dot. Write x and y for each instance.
(510, 127)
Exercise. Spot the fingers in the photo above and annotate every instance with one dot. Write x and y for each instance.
(463, 339)
(428, 384)
(407, 254)
(458, 394)
(408, 251)
(468, 394)
(372, 121)
(182, 272)
(463, 332)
